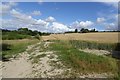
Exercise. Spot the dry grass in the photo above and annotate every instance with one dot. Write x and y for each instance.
(18, 41)
(109, 37)
(13, 47)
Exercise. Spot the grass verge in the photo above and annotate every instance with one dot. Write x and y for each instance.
(15, 47)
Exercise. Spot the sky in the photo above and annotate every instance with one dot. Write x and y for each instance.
(59, 17)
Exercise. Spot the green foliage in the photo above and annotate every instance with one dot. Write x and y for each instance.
(82, 61)
(69, 32)
(23, 29)
(84, 30)
(13, 35)
(5, 47)
(15, 47)
(37, 36)
(21, 33)
(76, 30)
(117, 77)
(26, 31)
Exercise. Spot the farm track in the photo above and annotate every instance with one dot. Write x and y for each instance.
(24, 67)
(38, 62)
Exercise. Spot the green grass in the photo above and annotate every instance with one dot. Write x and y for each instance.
(118, 76)
(13, 36)
(81, 61)
(16, 46)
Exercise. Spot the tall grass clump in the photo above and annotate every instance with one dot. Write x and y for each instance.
(81, 61)
(93, 45)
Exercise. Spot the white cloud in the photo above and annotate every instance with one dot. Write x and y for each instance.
(39, 25)
(86, 23)
(12, 3)
(50, 19)
(118, 20)
(110, 22)
(103, 0)
(40, 2)
(113, 4)
(6, 7)
(12, 24)
(36, 13)
(58, 27)
(22, 17)
(28, 19)
(49, 25)
(41, 22)
(100, 20)
(114, 16)
(81, 24)
(23, 20)
(111, 26)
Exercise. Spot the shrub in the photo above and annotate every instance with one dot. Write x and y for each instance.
(4, 47)
(37, 36)
(13, 35)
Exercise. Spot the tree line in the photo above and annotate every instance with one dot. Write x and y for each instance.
(25, 31)
(20, 33)
(84, 30)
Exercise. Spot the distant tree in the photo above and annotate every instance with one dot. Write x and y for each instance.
(35, 33)
(84, 30)
(23, 29)
(76, 30)
(30, 32)
(69, 32)
(93, 30)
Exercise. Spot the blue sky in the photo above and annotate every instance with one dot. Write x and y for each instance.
(60, 16)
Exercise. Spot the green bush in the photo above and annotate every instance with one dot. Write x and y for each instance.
(37, 36)
(4, 47)
(13, 35)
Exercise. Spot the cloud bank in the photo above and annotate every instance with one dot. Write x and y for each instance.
(50, 24)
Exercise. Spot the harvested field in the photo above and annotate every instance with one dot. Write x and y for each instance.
(104, 37)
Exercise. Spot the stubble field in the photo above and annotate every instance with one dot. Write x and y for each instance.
(104, 37)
